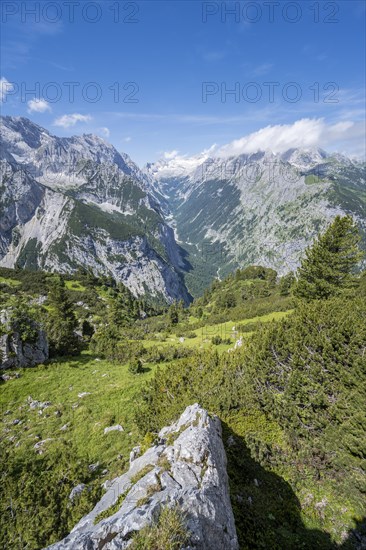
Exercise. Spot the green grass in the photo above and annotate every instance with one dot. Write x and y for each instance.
(111, 401)
(205, 334)
(168, 533)
(9, 282)
(111, 396)
(112, 509)
(75, 285)
(254, 425)
(225, 330)
(287, 507)
(192, 320)
(312, 178)
(142, 473)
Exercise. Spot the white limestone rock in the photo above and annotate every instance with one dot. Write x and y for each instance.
(186, 468)
(116, 428)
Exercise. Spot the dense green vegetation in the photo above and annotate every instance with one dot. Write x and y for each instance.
(293, 397)
(280, 361)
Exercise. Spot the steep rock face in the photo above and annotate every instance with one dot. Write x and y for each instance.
(20, 197)
(187, 467)
(71, 202)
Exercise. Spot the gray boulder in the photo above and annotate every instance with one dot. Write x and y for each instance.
(186, 468)
(116, 428)
(76, 491)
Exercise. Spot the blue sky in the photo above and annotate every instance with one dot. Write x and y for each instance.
(272, 51)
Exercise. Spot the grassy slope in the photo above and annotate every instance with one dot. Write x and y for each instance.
(111, 401)
(204, 334)
(286, 496)
(74, 285)
(112, 389)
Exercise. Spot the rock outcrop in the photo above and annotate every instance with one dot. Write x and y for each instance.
(16, 352)
(186, 468)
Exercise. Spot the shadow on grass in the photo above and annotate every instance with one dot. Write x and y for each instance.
(267, 511)
(74, 361)
(356, 537)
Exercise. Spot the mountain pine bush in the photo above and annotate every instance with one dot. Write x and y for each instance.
(328, 263)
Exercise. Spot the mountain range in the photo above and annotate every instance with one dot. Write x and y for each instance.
(168, 229)
(260, 208)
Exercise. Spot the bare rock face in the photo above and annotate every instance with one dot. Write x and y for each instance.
(16, 352)
(186, 468)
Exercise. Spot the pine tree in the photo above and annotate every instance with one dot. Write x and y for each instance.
(174, 313)
(328, 263)
(286, 283)
(119, 313)
(61, 321)
(135, 367)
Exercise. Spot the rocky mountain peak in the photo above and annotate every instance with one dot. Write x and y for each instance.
(304, 157)
(44, 153)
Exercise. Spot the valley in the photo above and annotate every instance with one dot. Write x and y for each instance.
(172, 227)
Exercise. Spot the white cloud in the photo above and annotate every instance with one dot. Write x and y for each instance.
(38, 106)
(5, 88)
(168, 155)
(66, 121)
(105, 131)
(305, 133)
(127, 139)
